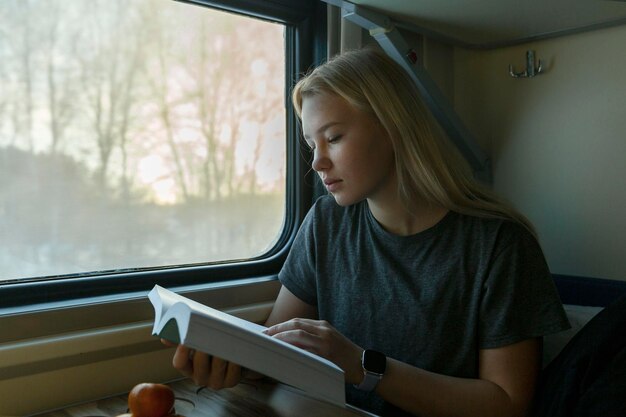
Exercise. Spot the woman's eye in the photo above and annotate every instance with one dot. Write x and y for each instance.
(334, 138)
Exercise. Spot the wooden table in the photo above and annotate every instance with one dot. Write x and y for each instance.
(249, 399)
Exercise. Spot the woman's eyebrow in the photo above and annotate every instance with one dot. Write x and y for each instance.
(323, 128)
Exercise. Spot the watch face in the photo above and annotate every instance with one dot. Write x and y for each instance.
(374, 361)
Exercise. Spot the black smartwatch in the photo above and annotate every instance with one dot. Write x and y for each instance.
(374, 364)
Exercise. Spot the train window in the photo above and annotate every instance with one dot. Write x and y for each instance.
(139, 135)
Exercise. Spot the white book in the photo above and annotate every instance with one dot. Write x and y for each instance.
(181, 320)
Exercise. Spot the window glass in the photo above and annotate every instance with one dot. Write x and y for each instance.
(137, 134)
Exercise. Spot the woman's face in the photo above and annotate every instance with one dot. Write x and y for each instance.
(352, 153)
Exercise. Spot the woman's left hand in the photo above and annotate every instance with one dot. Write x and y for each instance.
(322, 339)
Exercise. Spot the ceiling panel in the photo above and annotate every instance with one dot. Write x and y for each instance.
(484, 23)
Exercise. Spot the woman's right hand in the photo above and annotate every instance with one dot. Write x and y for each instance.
(206, 370)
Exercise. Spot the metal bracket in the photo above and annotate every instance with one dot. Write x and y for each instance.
(531, 70)
(392, 42)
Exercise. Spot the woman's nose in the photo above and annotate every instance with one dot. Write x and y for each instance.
(321, 161)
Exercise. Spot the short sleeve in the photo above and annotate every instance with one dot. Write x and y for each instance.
(519, 298)
(298, 273)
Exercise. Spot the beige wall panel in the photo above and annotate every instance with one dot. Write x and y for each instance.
(558, 142)
(63, 387)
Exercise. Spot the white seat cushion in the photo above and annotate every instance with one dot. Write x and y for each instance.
(578, 316)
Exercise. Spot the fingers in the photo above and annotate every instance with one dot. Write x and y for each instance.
(201, 368)
(300, 338)
(322, 339)
(215, 379)
(182, 360)
(206, 370)
(224, 374)
(234, 374)
(168, 343)
(307, 325)
(314, 336)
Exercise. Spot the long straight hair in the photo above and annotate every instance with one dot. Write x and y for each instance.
(428, 167)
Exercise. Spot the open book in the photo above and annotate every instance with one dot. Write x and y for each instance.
(181, 320)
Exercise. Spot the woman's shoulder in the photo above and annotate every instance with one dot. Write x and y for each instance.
(500, 244)
(505, 231)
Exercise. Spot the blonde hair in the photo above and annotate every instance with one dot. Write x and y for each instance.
(427, 165)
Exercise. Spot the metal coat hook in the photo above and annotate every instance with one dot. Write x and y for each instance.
(531, 70)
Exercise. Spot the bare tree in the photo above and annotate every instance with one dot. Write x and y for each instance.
(60, 91)
(4, 79)
(19, 31)
(213, 83)
(227, 95)
(108, 77)
(160, 76)
(262, 97)
(129, 86)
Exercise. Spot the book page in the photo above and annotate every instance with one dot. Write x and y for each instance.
(167, 299)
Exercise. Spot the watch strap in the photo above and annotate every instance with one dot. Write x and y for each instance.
(370, 380)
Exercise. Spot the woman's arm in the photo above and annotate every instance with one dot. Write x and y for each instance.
(287, 306)
(504, 388)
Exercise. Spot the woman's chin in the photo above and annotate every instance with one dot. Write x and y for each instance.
(343, 200)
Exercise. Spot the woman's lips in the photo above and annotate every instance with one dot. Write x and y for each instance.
(332, 184)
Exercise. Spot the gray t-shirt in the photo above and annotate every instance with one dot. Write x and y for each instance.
(432, 299)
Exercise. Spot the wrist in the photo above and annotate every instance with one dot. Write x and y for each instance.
(355, 375)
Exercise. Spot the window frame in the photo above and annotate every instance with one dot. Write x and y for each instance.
(305, 45)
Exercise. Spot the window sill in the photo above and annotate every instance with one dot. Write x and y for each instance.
(51, 358)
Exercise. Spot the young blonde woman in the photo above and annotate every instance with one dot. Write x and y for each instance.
(426, 289)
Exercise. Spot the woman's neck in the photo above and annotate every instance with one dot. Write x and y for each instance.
(395, 218)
